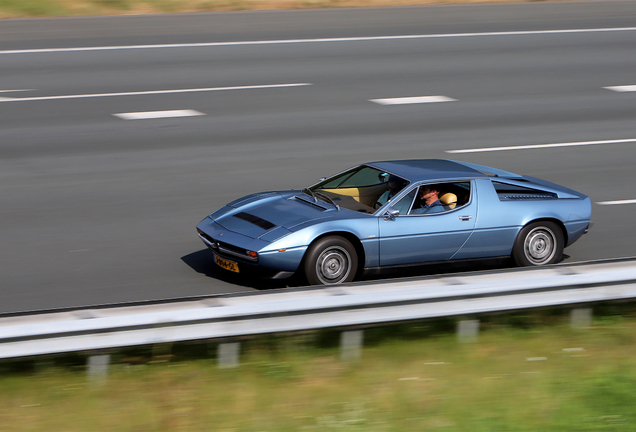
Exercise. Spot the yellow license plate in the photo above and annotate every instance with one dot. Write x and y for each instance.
(227, 265)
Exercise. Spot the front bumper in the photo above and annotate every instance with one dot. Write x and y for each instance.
(226, 250)
(234, 247)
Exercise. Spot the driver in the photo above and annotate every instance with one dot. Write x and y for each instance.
(396, 184)
(428, 200)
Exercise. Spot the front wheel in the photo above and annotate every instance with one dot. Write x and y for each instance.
(331, 260)
(538, 243)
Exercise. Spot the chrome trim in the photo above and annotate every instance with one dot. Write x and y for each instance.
(206, 241)
(236, 254)
(216, 247)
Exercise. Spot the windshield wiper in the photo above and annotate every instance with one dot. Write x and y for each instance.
(310, 193)
(322, 195)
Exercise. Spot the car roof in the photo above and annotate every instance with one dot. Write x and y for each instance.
(417, 170)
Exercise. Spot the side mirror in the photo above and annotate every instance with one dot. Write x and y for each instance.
(391, 213)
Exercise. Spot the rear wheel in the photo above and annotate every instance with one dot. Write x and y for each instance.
(331, 260)
(538, 243)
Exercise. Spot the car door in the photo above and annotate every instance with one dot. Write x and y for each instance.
(419, 238)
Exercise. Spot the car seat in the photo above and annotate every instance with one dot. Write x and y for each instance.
(448, 200)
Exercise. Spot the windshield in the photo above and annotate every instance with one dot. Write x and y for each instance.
(361, 189)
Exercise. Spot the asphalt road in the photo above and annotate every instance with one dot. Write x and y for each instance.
(98, 209)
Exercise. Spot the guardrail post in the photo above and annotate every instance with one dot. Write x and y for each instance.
(581, 318)
(98, 367)
(467, 330)
(351, 344)
(227, 355)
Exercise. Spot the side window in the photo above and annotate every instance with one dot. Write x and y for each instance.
(461, 190)
(441, 197)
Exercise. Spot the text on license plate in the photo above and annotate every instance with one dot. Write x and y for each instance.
(227, 265)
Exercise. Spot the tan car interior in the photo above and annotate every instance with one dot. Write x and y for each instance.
(449, 195)
(449, 200)
(366, 195)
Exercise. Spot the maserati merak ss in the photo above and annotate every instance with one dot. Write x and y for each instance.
(392, 214)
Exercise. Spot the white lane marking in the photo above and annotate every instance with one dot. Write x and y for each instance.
(621, 89)
(16, 90)
(412, 100)
(153, 92)
(158, 114)
(318, 40)
(632, 201)
(540, 146)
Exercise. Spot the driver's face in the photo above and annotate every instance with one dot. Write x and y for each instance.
(426, 192)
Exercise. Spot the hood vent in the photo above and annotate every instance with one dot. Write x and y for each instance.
(260, 222)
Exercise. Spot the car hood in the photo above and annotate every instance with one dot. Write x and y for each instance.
(271, 215)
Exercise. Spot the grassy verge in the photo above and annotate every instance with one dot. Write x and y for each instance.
(41, 8)
(545, 377)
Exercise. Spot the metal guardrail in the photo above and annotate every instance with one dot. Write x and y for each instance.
(336, 306)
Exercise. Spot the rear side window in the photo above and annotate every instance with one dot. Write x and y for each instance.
(508, 192)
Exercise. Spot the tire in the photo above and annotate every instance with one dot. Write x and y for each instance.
(538, 243)
(331, 260)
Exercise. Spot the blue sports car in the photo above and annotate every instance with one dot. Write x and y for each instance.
(396, 213)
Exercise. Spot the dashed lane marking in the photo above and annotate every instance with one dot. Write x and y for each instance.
(632, 201)
(412, 100)
(16, 90)
(622, 89)
(158, 114)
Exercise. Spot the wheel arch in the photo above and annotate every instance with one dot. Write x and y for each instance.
(352, 238)
(556, 221)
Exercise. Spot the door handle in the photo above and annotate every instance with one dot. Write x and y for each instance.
(465, 218)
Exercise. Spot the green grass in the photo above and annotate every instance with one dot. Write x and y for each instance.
(413, 377)
(31, 8)
(44, 8)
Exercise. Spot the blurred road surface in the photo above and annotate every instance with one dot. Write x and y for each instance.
(97, 208)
